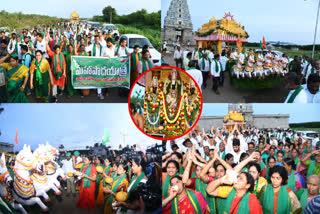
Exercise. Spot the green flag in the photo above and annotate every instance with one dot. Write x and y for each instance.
(261, 46)
(105, 137)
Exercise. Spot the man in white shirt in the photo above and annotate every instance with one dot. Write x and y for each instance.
(311, 68)
(315, 140)
(204, 65)
(177, 56)
(273, 141)
(297, 93)
(103, 41)
(122, 49)
(235, 149)
(195, 73)
(109, 49)
(12, 44)
(96, 50)
(41, 45)
(186, 61)
(312, 87)
(234, 54)
(184, 56)
(216, 68)
(68, 167)
(223, 59)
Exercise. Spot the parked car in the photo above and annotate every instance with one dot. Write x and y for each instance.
(94, 24)
(110, 27)
(307, 134)
(135, 39)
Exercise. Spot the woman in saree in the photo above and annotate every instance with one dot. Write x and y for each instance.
(182, 200)
(313, 166)
(135, 57)
(259, 182)
(287, 152)
(41, 77)
(88, 184)
(107, 171)
(238, 196)
(97, 163)
(294, 156)
(70, 90)
(114, 174)
(295, 180)
(133, 204)
(120, 184)
(58, 69)
(194, 182)
(312, 190)
(172, 168)
(271, 162)
(143, 65)
(17, 79)
(278, 198)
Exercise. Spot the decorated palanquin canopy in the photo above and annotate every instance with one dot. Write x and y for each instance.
(225, 30)
(233, 118)
(74, 16)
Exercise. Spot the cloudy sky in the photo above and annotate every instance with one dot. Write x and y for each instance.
(73, 125)
(85, 9)
(299, 113)
(286, 20)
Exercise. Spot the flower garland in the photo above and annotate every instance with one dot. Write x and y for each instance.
(150, 122)
(166, 117)
(191, 110)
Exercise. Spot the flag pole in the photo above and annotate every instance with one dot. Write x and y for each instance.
(315, 31)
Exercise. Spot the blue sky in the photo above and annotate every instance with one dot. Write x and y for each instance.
(85, 9)
(284, 20)
(73, 125)
(299, 113)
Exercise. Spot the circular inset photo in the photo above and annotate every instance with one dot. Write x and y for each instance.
(165, 102)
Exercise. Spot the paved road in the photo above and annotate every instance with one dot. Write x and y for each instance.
(113, 97)
(230, 94)
(66, 206)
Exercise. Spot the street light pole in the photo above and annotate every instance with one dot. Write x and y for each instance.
(315, 32)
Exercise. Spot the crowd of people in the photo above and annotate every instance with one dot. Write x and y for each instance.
(241, 170)
(100, 179)
(122, 181)
(301, 73)
(38, 61)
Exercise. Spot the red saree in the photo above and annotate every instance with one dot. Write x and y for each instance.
(87, 195)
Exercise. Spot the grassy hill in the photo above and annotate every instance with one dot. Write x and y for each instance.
(20, 20)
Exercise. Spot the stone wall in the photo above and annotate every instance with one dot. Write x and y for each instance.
(259, 121)
(271, 120)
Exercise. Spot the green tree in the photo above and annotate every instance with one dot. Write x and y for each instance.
(109, 13)
(138, 97)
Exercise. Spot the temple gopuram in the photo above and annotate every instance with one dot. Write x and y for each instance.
(215, 32)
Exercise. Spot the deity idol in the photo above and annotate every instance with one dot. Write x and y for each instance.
(152, 106)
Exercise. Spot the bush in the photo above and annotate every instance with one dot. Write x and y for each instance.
(19, 20)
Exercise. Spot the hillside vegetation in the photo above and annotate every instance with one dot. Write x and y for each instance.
(20, 20)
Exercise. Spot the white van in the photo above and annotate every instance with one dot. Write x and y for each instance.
(110, 27)
(135, 39)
